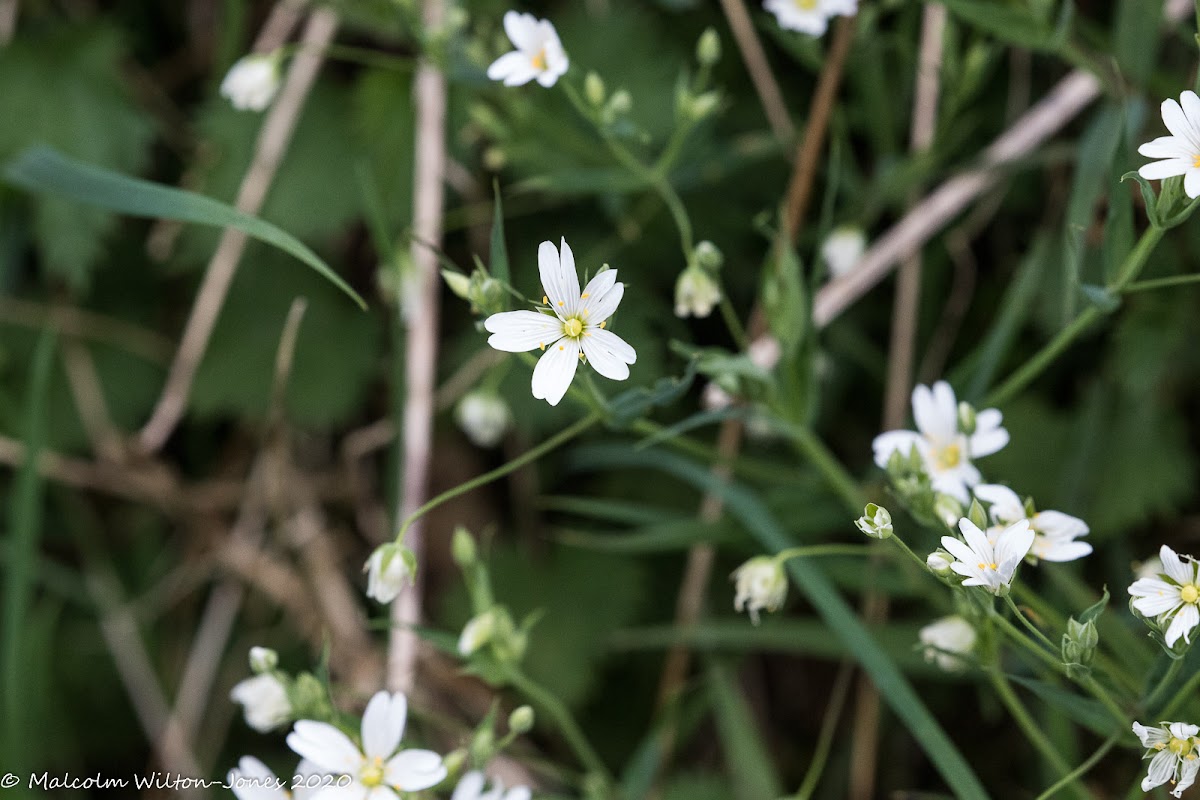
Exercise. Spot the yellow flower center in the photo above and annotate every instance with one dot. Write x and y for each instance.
(1196, 161)
(372, 773)
(573, 327)
(806, 5)
(539, 60)
(949, 456)
(1189, 593)
(1180, 747)
(992, 565)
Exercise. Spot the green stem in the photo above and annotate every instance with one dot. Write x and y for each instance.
(1082, 769)
(1186, 692)
(1162, 283)
(561, 438)
(736, 329)
(924, 565)
(1034, 367)
(836, 475)
(572, 733)
(823, 550)
(828, 728)
(1041, 637)
(1156, 695)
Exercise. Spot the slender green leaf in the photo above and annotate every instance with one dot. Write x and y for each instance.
(45, 170)
(666, 537)
(754, 776)
(1087, 712)
(498, 261)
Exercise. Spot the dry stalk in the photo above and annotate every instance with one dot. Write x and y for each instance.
(760, 70)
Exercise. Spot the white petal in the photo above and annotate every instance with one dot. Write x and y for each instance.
(596, 288)
(346, 791)
(253, 780)
(519, 331)
(1166, 147)
(1191, 183)
(956, 483)
(1187, 776)
(1158, 170)
(1006, 506)
(1185, 619)
(1014, 543)
(1173, 565)
(1182, 730)
(892, 441)
(555, 370)
(1177, 122)
(1059, 551)
(984, 443)
(325, 746)
(935, 417)
(559, 280)
(522, 30)
(976, 539)
(548, 78)
(602, 306)
(522, 73)
(1058, 525)
(608, 353)
(960, 550)
(508, 65)
(1154, 596)
(1150, 735)
(1162, 769)
(383, 724)
(469, 786)
(1191, 110)
(414, 770)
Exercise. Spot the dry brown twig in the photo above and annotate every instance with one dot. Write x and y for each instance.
(760, 70)
(272, 144)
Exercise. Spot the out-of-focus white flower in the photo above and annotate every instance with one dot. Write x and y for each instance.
(1171, 597)
(714, 398)
(764, 352)
(253, 780)
(946, 451)
(761, 585)
(843, 249)
(696, 293)
(1172, 750)
(985, 564)
(264, 702)
(251, 83)
(484, 417)
(539, 54)
(380, 770)
(388, 568)
(809, 16)
(875, 522)
(471, 787)
(575, 330)
(263, 659)
(476, 633)
(1152, 567)
(1180, 152)
(1054, 532)
(946, 640)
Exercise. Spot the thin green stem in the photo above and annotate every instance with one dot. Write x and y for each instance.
(823, 550)
(1031, 369)
(837, 704)
(1082, 769)
(1162, 283)
(909, 552)
(559, 439)
(736, 329)
(572, 733)
(1164, 684)
(1186, 692)
(1041, 637)
(836, 475)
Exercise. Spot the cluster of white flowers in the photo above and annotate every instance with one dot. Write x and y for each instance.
(1174, 752)
(1171, 597)
(809, 16)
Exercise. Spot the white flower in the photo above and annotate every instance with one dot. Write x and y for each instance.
(946, 637)
(484, 417)
(1152, 567)
(539, 52)
(946, 451)
(1173, 596)
(574, 331)
(476, 633)
(809, 16)
(1054, 532)
(696, 293)
(843, 249)
(471, 788)
(985, 564)
(1175, 758)
(761, 585)
(263, 659)
(1180, 152)
(714, 398)
(380, 770)
(387, 570)
(253, 780)
(251, 83)
(264, 702)
(764, 352)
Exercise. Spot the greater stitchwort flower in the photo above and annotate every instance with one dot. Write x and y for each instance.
(539, 54)
(388, 569)
(985, 564)
(380, 770)
(1054, 532)
(1171, 597)
(251, 83)
(761, 586)
(471, 787)
(1180, 152)
(1172, 750)
(809, 16)
(572, 328)
(251, 779)
(946, 640)
(843, 249)
(264, 702)
(946, 449)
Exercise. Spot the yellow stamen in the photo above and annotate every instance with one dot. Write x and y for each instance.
(372, 773)
(584, 296)
(602, 324)
(560, 302)
(1196, 162)
(545, 300)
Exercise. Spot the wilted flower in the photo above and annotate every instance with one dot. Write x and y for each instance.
(1171, 597)
(875, 522)
(471, 787)
(251, 83)
(946, 640)
(843, 249)
(264, 702)
(388, 568)
(945, 450)
(539, 54)
(761, 585)
(809, 16)
(484, 417)
(1172, 749)
(696, 293)
(985, 564)
(1180, 152)
(573, 331)
(380, 769)
(1054, 532)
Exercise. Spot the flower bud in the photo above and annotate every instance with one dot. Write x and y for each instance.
(697, 108)
(966, 418)
(708, 47)
(484, 417)
(708, 256)
(939, 562)
(459, 284)
(252, 83)
(263, 659)
(761, 585)
(946, 640)
(593, 89)
(875, 522)
(454, 761)
(309, 698)
(620, 103)
(977, 515)
(264, 702)
(477, 632)
(463, 548)
(521, 720)
(1079, 647)
(387, 570)
(948, 509)
(483, 745)
(843, 249)
(696, 293)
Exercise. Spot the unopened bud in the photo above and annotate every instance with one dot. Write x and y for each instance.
(708, 256)
(966, 418)
(593, 89)
(459, 284)
(263, 659)
(708, 47)
(521, 719)
(620, 103)
(463, 548)
(939, 562)
(875, 522)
